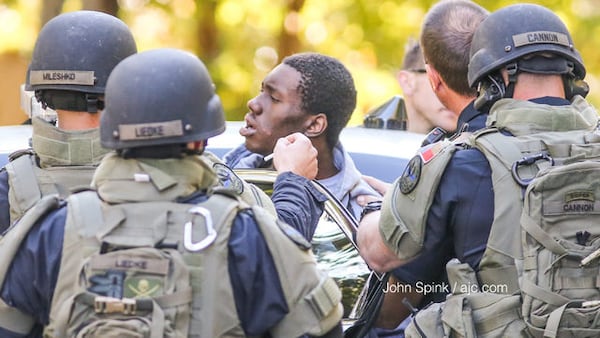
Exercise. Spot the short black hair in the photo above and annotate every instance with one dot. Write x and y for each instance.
(326, 86)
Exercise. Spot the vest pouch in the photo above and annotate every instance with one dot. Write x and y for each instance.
(427, 323)
(561, 243)
(564, 301)
(475, 315)
(461, 277)
(117, 327)
(138, 292)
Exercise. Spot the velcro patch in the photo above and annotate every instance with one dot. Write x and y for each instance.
(136, 287)
(69, 77)
(144, 131)
(531, 38)
(427, 153)
(580, 207)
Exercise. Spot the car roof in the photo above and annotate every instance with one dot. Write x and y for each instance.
(381, 153)
(13, 138)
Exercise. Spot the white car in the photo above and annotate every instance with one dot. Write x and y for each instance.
(380, 153)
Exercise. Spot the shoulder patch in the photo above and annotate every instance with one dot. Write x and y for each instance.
(294, 235)
(428, 152)
(228, 178)
(411, 175)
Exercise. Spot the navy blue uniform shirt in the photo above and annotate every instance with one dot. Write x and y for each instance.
(257, 290)
(4, 205)
(471, 119)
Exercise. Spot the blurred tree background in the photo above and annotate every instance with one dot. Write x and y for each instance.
(241, 40)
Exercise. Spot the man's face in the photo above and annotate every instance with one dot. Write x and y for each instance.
(275, 112)
(428, 105)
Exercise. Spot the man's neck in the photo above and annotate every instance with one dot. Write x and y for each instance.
(76, 120)
(531, 87)
(416, 122)
(325, 159)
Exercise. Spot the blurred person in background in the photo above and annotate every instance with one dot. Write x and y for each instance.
(424, 110)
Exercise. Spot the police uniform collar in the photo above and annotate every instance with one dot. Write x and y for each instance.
(468, 114)
(551, 100)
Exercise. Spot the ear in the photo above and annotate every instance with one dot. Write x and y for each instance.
(435, 79)
(317, 124)
(406, 80)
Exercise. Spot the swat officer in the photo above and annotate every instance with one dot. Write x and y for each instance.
(112, 261)
(460, 200)
(72, 58)
(447, 29)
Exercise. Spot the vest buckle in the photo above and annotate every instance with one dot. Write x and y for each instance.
(125, 306)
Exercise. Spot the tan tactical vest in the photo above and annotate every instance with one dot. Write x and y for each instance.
(67, 160)
(562, 132)
(194, 297)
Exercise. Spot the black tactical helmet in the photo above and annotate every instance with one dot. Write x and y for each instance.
(76, 52)
(515, 31)
(160, 97)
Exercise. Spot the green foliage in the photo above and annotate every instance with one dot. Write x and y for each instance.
(240, 41)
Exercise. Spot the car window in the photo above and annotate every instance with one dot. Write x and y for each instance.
(337, 255)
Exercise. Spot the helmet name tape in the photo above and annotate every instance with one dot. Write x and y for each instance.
(70, 77)
(531, 38)
(145, 131)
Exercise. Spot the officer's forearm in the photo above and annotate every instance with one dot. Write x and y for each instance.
(372, 246)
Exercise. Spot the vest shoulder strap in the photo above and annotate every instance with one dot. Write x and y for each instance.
(24, 189)
(314, 298)
(405, 208)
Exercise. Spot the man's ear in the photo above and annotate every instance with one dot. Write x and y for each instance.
(317, 124)
(435, 79)
(406, 80)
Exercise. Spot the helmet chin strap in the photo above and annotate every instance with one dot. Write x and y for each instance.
(512, 70)
(493, 88)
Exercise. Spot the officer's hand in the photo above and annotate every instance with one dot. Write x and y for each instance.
(379, 185)
(296, 153)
